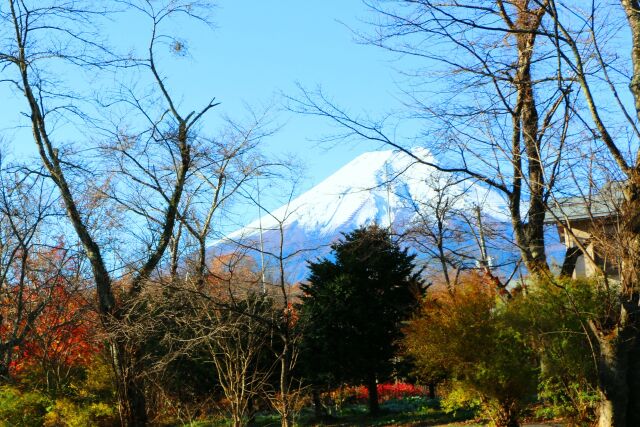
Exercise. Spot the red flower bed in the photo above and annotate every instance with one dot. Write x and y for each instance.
(386, 391)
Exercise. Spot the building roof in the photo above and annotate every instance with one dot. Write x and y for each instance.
(605, 203)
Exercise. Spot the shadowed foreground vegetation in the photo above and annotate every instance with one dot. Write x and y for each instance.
(411, 411)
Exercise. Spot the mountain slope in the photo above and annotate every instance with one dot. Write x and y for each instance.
(383, 187)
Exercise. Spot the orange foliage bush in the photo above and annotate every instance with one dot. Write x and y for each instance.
(63, 335)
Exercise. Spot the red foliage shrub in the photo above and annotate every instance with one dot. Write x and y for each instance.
(386, 391)
(63, 335)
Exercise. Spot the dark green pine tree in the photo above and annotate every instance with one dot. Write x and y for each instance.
(353, 307)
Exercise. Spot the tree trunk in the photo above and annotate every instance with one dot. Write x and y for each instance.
(133, 405)
(619, 376)
(630, 216)
(251, 409)
(285, 397)
(526, 134)
(507, 415)
(317, 403)
(130, 387)
(613, 369)
(432, 391)
(236, 412)
(618, 337)
(632, 10)
(4, 370)
(570, 260)
(237, 420)
(633, 407)
(617, 331)
(286, 420)
(372, 387)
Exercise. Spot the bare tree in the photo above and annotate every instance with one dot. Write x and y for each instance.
(453, 234)
(152, 164)
(29, 268)
(284, 345)
(221, 170)
(224, 319)
(609, 82)
(285, 400)
(236, 340)
(492, 120)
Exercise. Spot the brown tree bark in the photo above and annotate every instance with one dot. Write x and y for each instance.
(617, 331)
(318, 408)
(432, 391)
(570, 260)
(131, 392)
(507, 415)
(615, 349)
(372, 387)
(619, 340)
(526, 131)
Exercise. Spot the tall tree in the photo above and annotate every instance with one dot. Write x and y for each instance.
(493, 121)
(148, 167)
(590, 55)
(353, 306)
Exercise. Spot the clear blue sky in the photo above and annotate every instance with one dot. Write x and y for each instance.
(260, 49)
(256, 52)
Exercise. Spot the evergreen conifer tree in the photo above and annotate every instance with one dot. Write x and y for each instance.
(353, 307)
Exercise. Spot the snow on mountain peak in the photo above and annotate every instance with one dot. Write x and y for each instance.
(373, 187)
(382, 187)
(387, 187)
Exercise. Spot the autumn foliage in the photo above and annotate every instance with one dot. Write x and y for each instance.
(386, 392)
(63, 336)
(470, 334)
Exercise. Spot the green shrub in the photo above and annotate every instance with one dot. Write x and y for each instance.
(555, 315)
(66, 413)
(91, 404)
(97, 384)
(22, 409)
(460, 398)
(571, 400)
(87, 400)
(471, 335)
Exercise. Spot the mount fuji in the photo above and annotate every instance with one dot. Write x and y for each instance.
(388, 188)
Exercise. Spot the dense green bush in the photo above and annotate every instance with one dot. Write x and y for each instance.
(22, 409)
(89, 400)
(555, 315)
(501, 353)
(66, 413)
(459, 397)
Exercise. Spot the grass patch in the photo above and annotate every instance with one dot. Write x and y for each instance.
(411, 411)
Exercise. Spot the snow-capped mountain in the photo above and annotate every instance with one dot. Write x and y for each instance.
(382, 187)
